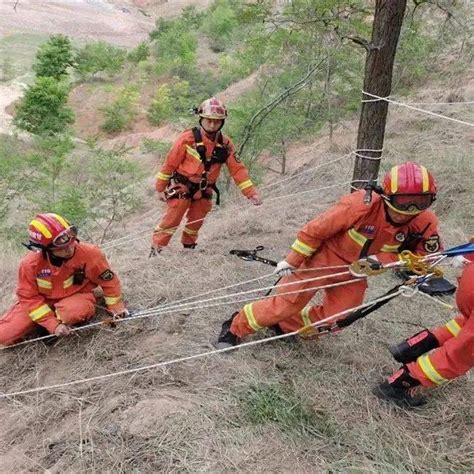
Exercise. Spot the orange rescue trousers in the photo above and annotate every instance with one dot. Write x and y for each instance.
(195, 211)
(74, 309)
(453, 358)
(290, 311)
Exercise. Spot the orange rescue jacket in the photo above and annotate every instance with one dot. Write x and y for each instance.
(184, 159)
(41, 284)
(352, 229)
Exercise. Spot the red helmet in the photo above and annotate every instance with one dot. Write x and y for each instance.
(51, 231)
(212, 109)
(409, 188)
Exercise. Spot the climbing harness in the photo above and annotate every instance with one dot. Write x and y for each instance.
(182, 187)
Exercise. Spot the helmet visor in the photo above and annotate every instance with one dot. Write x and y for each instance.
(411, 203)
(65, 238)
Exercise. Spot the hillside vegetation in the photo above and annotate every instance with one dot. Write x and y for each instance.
(304, 406)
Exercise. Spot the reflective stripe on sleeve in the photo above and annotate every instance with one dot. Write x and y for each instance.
(302, 248)
(430, 372)
(110, 300)
(453, 327)
(163, 176)
(44, 283)
(245, 184)
(39, 312)
(356, 237)
(251, 318)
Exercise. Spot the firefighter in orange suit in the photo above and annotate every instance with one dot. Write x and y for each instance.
(56, 282)
(188, 176)
(452, 347)
(396, 218)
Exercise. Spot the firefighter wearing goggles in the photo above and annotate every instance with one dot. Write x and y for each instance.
(373, 232)
(56, 282)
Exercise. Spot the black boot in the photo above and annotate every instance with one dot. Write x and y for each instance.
(154, 251)
(400, 389)
(226, 338)
(189, 246)
(413, 347)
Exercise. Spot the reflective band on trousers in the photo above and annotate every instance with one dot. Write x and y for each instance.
(245, 184)
(356, 237)
(430, 372)
(189, 231)
(305, 315)
(302, 248)
(110, 300)
(38, 313)
(169, 231)
(453, 327)
(251, 318)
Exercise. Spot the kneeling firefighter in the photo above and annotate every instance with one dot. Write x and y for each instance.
(187, 179)
(354, 229)
(56, 282)
(431, 358)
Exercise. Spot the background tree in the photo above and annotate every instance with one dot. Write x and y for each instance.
(54, 57)
(43, 109)
(381, 51)
(101, 57)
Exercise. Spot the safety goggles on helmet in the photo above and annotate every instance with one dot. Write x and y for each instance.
(65, 238)
(410, 203)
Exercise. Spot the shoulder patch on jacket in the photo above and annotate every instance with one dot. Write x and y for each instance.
(432, 245)
(107, 275)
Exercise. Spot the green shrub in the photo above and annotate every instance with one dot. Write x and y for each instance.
(161, 106)
(43, 110)
(99, 57)
(219, 26)
(138, 54)
(54, 57)
(121, 112)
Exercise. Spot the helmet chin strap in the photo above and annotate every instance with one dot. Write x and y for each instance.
(211, 134)
(386, 206)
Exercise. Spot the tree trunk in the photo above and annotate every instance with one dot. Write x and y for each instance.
(388, 19)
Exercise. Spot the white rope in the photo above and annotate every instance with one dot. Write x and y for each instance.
(418, 109)
(195, 356)
(365, 157)
(172, 303)
(157, 311)
(437, 300)
(306, 171)
(109, 244)
(139, 235)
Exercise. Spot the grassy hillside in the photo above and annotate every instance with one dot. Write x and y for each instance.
(304, 406)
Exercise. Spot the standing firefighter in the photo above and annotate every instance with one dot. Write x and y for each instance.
(352, 230)
(56, 282)
(188, 176)
(452, 347)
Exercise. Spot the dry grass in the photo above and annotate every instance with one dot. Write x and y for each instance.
(280, 407)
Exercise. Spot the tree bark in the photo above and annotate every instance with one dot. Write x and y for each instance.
(388, 19)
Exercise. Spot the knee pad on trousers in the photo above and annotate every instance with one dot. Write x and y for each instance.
(414, 347)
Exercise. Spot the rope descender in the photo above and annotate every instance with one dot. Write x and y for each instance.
(419, 265)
